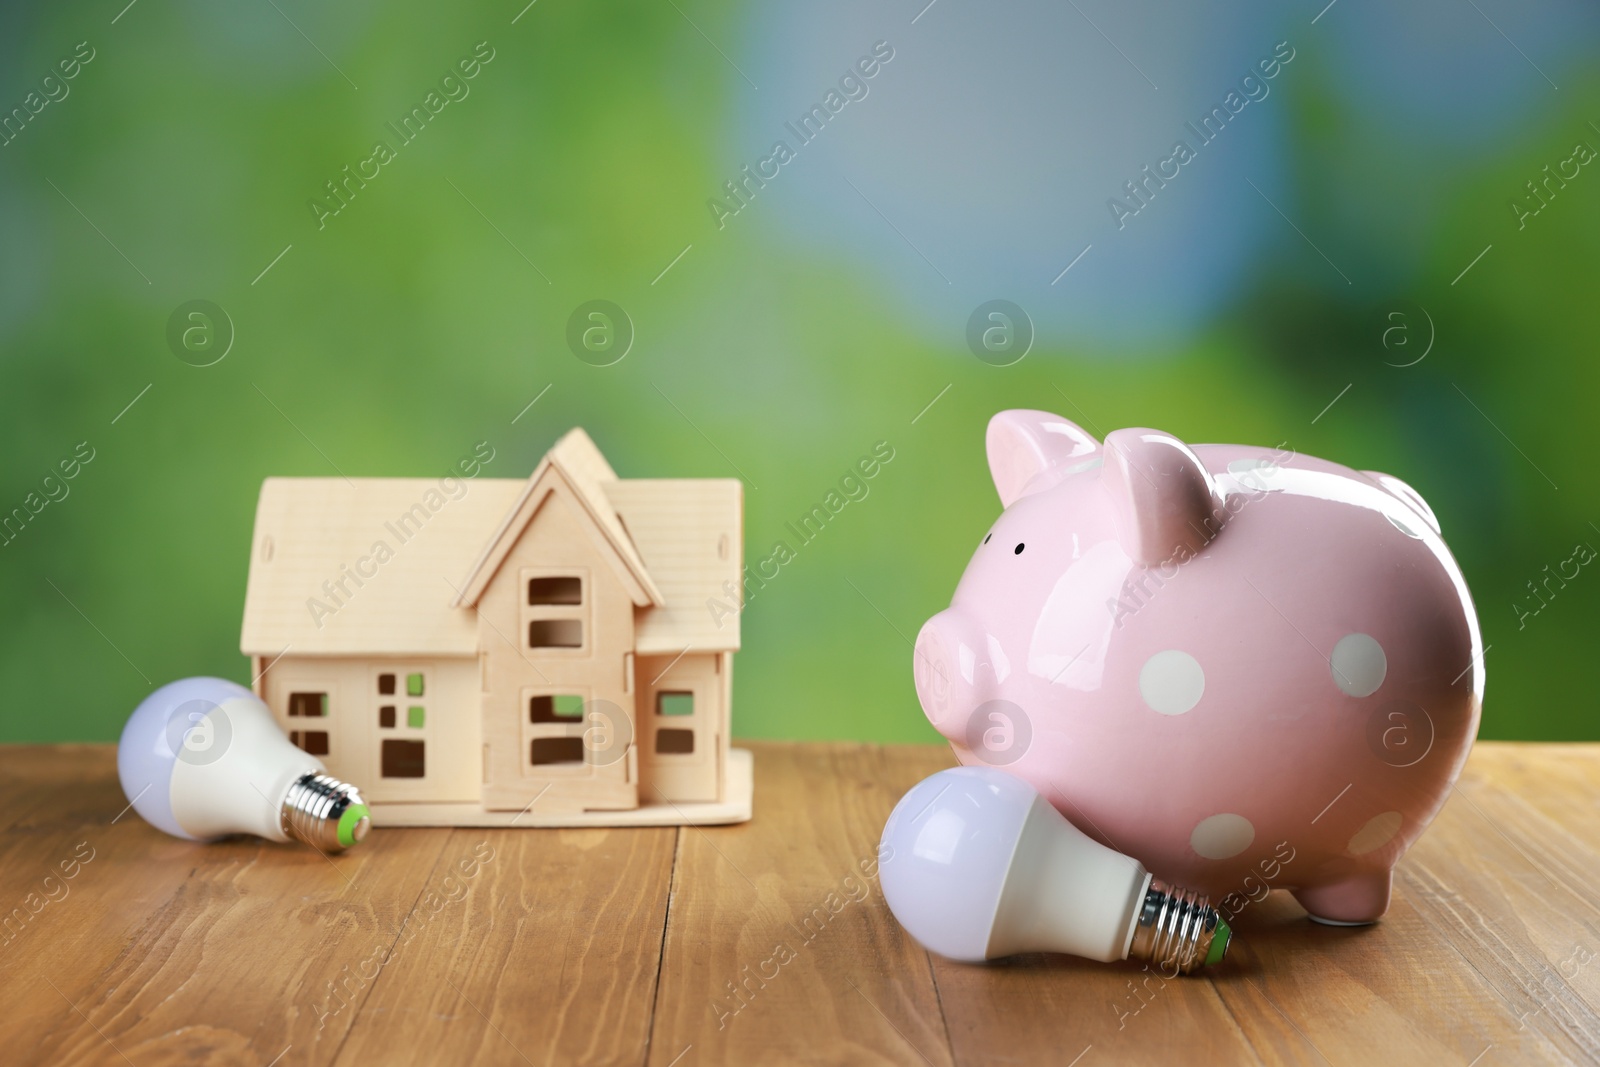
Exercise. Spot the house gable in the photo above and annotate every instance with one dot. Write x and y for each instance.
(577, 466)
(549, 484)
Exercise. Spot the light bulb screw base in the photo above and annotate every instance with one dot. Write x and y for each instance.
(1178, 929)
(325, 813)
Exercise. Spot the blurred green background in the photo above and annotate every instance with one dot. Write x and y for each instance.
(1254, 299)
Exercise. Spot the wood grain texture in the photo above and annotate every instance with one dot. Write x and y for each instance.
(535, 944)
(779, 946)
(767, 942)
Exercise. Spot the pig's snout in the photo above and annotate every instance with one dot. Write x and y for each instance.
(952, 672)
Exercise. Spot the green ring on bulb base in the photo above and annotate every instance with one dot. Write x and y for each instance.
(1219, 943)
(348, 821)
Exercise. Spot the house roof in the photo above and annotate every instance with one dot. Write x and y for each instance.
(683, 537)
(690, 533)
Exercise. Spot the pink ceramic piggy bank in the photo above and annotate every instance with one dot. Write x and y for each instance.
(1240, 666)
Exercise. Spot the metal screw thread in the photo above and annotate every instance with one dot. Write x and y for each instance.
(1176, 928)
(316, 807)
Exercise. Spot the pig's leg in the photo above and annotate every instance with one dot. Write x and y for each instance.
(1355, 901)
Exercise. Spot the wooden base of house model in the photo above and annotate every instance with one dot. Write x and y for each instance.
(739, 787)
(474, 651)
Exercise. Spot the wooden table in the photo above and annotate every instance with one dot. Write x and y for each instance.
(752, 944)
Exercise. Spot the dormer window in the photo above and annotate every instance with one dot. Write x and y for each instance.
(555, 633)
(554, 611)
(563, 589)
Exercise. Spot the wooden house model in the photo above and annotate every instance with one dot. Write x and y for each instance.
(491, 652)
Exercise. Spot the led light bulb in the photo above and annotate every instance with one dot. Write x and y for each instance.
(977, 865)
(202, 757)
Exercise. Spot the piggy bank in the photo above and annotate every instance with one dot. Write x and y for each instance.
(1242, 666)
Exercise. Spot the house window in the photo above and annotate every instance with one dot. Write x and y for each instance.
(547, 750)
(554, 612)
(309, 706)
(313, 742)
(565, 589)
(674, 703)
(555, 633)
(556, 727)
(416, 687)
(559, 707)
(674, 742)
(403, 758)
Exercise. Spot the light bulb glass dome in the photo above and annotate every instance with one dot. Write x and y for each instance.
(948, 848)
(158, 734)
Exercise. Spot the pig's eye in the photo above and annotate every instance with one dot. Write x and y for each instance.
(1018, 550)
(987, 536)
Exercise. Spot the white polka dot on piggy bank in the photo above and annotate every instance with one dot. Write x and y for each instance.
(1221, 837)
(1358, 664)
(1243, 666)
(1172, 682)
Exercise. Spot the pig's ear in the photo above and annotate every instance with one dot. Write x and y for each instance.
(1165, 502)
(1024, 444)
